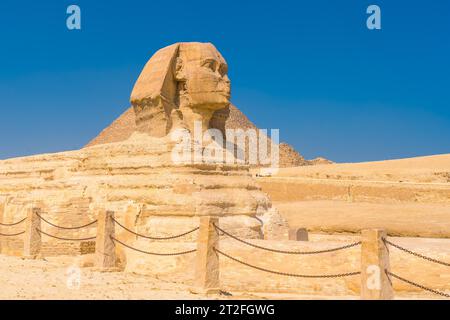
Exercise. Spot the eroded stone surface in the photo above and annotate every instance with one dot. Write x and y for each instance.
(180, 83)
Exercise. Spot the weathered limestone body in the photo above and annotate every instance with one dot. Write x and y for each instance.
(180, 84)
(131, 215)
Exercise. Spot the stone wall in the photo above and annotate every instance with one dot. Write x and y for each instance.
(296, 189)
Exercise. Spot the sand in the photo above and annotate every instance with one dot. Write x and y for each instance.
(51, 279)
(326, 209)
(339, 216)
(408, 197)
(433, 169)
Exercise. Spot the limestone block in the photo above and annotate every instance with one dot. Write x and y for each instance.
(275, 227)
(168, 226)
(242, 226)
(128, 220)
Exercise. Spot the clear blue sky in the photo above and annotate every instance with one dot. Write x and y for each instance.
(311, 68)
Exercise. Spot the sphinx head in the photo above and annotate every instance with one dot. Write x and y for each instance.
(180, 84)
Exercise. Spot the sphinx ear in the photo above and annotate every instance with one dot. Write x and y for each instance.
(155, 92)
(157, 77)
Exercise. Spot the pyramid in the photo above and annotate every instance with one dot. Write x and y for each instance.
(122, 128)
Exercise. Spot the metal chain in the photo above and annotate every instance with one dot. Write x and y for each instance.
(12, 235)
(288, 252)
(416, 254)
(155, 238)
(417, 285)
(289, 274)
(65, 228)
(12, 224)
(66, 239)
(152, 253)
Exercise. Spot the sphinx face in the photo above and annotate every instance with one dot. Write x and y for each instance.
(202, 73)
(180, 85)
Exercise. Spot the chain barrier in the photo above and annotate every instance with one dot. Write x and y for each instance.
(388, 273)
(155, 238)
(416, 254)
(152, 253)
(339, 275)
(65, 239)
(65, 228)
(12, 235)
(287, 252)
(12, 224)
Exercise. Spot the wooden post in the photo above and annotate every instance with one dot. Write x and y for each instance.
(207, 259)
(375, 284)
(32, 238)
(2, 214)
(105, 253)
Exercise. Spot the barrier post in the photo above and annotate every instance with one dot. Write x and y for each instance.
(32, 238)
(298, 234)
(375, 283)
(207, 259)
(2, 213)
(105, 253)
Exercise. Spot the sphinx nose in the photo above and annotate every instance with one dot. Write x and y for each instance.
(225, 85)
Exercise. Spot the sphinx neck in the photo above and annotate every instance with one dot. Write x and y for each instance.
(196, 119)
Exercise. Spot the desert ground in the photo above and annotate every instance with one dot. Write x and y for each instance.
(49, 278)
(53, 278)
(408, 197)
(433, 169)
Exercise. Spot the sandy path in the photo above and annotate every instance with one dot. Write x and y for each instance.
(44, 279)
(41, 279)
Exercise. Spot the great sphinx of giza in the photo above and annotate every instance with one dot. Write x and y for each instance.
(137, 178)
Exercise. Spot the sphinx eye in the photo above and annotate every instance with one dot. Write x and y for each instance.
(210, 64)
(223, 69)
